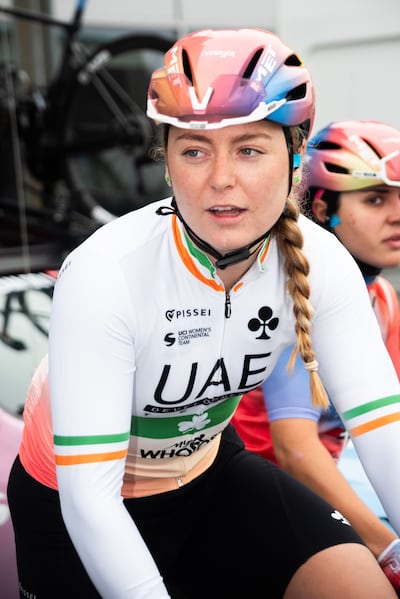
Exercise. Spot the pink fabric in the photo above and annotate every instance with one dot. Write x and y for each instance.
(10, 437)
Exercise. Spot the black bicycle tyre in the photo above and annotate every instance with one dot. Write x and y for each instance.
(104, 204)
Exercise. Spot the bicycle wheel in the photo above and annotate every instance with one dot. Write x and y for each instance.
(106, 133)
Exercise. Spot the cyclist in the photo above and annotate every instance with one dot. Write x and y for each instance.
(349, 194)
(161, 320)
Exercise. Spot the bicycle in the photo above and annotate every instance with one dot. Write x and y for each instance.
(85, 137)
(30, 295)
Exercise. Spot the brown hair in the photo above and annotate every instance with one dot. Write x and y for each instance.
(290, 242)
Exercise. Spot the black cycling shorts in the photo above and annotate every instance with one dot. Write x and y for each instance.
(242, 526)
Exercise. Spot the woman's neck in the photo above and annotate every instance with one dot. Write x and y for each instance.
(233, 273)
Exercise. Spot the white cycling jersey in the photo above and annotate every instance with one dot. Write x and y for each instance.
(149, 356)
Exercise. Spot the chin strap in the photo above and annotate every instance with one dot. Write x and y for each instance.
(241, 254)
(222, 260)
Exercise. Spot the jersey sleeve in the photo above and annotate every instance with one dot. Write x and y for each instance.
(387, 296)
(92, 368)
(356, 369)
(287, 394)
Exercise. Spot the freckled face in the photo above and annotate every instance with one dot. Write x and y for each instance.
(370, 225)
(230, 184)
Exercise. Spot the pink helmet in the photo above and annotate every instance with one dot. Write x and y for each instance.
(215, 78)
(352, 155)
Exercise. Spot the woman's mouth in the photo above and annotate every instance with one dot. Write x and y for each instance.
(393, 241)
(223, 211)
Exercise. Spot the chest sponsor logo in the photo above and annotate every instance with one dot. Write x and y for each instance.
(218, 383)
(174, 314)
(185, 336)
(263, 322)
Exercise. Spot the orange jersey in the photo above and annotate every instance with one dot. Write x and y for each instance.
(386, 306)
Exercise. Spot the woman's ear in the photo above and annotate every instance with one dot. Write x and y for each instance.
(318, 209)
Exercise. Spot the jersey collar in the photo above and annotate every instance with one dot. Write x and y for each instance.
(198, 263)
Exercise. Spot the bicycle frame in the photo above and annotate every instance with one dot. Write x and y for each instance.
(71, 26)
(49, 123)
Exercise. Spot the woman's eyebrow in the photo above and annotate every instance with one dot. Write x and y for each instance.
(252, 137)
(189, 136)
(201, 137)
(376, 189)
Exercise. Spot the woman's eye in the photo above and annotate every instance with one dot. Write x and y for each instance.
(248, 151)
(375, 200)
(192, 153)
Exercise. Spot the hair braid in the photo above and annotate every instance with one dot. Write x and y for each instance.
(297, 268)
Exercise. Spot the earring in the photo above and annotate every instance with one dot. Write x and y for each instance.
(297, 179)
(334, 221)
(168, 180)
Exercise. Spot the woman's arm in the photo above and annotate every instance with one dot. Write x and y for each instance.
(91, 370)
(301, 453)
(356, 369)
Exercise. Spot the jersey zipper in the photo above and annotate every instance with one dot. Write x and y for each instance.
(228, 305)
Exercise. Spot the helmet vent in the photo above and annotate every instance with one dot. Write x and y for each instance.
(186, 66)
(372, 147)
(293, 61)
(327, 145)
(335, 168)
(297, 93)
(252, 64)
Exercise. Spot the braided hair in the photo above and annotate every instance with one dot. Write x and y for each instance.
(290, 242)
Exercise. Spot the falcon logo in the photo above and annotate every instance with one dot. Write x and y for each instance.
(169, 339)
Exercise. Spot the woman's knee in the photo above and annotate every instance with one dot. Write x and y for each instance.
(348, 570)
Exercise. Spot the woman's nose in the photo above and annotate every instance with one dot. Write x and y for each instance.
(222, 174)
(394, 213)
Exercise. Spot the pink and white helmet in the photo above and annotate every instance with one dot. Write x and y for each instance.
(352, 155)
(215, 78)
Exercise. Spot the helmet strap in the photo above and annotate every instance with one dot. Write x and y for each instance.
(222, 260)
(289, 144)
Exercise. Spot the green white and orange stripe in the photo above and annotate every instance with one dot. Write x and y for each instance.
(73, 450)
(372, 415)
